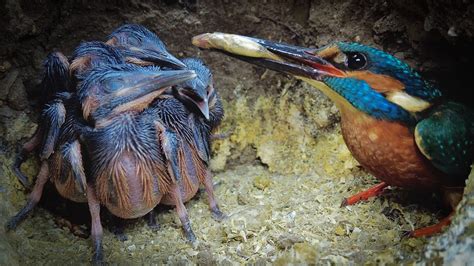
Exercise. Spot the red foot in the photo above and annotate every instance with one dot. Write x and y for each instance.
(432, 229)
(365, 195)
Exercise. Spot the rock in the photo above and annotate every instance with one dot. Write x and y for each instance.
(306, 251)
(339, 230)
(17, 98)
(15, 124)
(205, 257)
(452, 32)
(390, 23)
(5, 66)
(286, 241)
(252, 18)
(242, 199)
(262, 182)
(6, 84)
(456, 245)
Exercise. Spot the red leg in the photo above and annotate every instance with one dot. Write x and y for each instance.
(27, 148)
(216, 212)
(365, 195)
(33, 198)
(432, 229)
(170, 148)
(96, 225)
(182, 213)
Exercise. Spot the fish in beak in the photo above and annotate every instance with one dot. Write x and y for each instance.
(304, 63)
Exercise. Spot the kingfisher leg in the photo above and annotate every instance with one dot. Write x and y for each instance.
(33, 198)
(96, 225)
(432, 229)
(169, 143)
(27, 148)
(365, 195)
(217, 214)
(151, 221)
(183, 213)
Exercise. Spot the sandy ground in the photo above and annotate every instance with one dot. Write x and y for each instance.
(272, 218)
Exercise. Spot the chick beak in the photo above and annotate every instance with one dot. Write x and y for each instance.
(200, 100)
(204, 108)
(166, 59)
(139, 90)
(162, 58)
(294, 60)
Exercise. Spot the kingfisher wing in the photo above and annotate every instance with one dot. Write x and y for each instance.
(446, 138)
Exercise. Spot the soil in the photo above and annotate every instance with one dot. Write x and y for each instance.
(283, 170)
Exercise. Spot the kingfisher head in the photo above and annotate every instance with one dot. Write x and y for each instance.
(195, 93)
(92, 54)
(351, 74)
(142, 47)
(111, 90)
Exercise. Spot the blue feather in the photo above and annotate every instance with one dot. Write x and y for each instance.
(381, 62)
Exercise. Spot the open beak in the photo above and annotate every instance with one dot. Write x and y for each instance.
(200, 101)
(139, 90)
(298, 61)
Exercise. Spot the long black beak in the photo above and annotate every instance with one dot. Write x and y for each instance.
(281, 57)
(164, 58)
(161, 58)
(141, 89)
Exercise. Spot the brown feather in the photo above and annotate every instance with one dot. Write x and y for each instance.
(80, 64)
(388, 151)
(380, 83)
(88, 105)
(119, 181)
(186, 179)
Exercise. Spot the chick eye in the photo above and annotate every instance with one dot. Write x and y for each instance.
(355, 60)
(115, 85)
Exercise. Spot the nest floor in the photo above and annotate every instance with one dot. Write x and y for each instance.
(273, 218)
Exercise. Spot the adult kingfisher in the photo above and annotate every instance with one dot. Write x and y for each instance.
(397, 125)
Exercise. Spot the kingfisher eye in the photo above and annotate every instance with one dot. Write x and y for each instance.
(355, 60)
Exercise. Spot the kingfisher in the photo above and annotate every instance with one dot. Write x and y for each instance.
(396, 124)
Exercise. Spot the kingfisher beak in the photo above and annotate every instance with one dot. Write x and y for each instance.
(164, 58)
(141, 89)
(297, 61)
(144, 57)
(204, 108)
(200, 101)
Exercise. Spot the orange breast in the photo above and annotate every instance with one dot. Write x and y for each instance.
(130, 186)
(388, 151)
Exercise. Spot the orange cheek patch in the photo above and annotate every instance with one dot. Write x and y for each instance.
(88, 105)
(380, 83)
(112, 42)
(80, 64)
(138, 104)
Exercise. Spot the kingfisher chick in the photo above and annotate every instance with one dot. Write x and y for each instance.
(396, 124)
